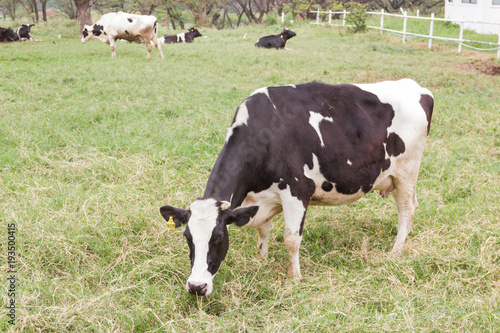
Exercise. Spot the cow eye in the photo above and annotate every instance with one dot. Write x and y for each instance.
(219, 239)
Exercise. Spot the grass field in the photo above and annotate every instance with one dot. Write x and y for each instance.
(91, 147)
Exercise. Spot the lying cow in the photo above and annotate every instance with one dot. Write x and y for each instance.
(276, 41)
(130, 27)
(8, 35)
(311, 144)
(24, 32)
(185, 37)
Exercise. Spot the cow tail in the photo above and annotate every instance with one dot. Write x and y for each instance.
(155, 28)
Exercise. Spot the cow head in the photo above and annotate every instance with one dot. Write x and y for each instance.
(287, 34)
(207, 237)
(196, 32)
(90, 31)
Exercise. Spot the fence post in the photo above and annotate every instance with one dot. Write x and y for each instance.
(418, 12)
(343, 18)
(460, 42)
(498, 50)
(431, 31)
(381, 21)
(330, 17)
(404, 26)
(317, 18)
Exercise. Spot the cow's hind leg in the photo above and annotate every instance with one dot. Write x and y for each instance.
(406, 202)
(157, 43)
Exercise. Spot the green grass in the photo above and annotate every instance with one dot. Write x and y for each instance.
(92, 146)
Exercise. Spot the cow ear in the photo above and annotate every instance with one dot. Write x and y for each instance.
(242, 216)
(180, 216)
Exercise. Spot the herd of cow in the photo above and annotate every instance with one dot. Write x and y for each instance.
(292, 146)
(22, 33)
(144, 29)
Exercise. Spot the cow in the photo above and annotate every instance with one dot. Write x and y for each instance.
(24, 32)
(130, 27)
(8, 35)
(276, 41)
(310, 144)
(185, 37)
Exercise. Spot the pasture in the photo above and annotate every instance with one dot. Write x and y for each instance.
(91, 147)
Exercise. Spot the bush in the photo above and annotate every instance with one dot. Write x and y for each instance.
(357, 17)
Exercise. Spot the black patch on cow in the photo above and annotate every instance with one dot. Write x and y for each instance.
(395, 146)
(85, 33)
(427, 103)
(327, 186)
(126, 32)
(130, 20)
(97, 30)
(282, 185)
(302, 224)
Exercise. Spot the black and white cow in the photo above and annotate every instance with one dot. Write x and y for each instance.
(311, 144)
(23, 32)
(130, 27)
(276, 41)
(185, 37)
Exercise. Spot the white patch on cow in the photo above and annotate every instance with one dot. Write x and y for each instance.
(404, 97)
(201, 225)
(349, 162)
(264, 91)
(181, 37)
(240, 119)
(385, 151)
(291, 85)
(315, 119)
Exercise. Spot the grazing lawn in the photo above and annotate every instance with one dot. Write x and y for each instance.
(91, 147)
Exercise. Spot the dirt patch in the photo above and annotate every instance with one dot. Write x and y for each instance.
(480, 62)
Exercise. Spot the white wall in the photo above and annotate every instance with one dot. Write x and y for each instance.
(482, 11)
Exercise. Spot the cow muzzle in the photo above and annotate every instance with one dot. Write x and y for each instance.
(199, 289)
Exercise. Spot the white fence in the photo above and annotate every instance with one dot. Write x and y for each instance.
(405, 33)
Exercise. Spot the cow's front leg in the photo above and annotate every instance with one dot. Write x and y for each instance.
(294, 211)
(263, 241)
(112, 43)
(149, 47)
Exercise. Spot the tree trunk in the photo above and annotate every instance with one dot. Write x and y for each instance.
(83, 13)
(44, 10)
(35, 10)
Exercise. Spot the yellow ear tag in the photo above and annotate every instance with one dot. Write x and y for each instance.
(170, 224)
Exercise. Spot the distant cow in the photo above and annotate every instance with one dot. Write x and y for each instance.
(311, 144)
(8, 35)
(185, 37)
(276, 41)
(130, 27)
(24, 32)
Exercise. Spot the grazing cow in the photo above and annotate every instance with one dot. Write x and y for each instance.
(275, 41)
(8, 35)
(185, 37)
(130, 27)
(311, 144)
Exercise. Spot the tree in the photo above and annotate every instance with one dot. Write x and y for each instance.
(67, 7)
(83, 13)
(44, 9)
(10, 7)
